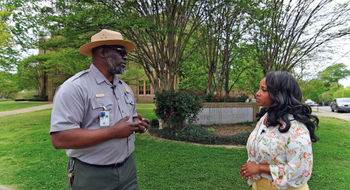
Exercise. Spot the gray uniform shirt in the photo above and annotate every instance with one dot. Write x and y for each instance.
(78, 103)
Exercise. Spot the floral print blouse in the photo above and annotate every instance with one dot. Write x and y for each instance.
(289, 154)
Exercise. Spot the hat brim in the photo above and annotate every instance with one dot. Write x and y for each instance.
(86, 49)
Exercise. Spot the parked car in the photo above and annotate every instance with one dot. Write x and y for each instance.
(340, 105)
(310, 102)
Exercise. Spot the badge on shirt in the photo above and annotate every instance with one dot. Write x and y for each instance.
(127, 90)
(104, 118)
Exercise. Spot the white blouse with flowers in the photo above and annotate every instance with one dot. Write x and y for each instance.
(289, 154)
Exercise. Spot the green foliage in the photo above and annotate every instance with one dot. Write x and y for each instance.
(26, 94)
(166, 42)
(326, 87)
(175, 107)
(313, 89)
(342, 93)
(334, 73)
(329, 95)
(193, 74)
(247, 72)
(8, 56)
(8, 85)
(5, 36)
(197, 134)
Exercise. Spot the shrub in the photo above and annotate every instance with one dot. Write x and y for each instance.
(175, 107)
(34, 98)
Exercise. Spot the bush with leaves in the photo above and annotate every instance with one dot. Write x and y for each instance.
(177, 107)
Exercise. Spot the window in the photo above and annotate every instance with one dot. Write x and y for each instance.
(144, 87)
(148, 88)
(141, 88)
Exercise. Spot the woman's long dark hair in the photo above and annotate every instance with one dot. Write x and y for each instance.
(286, 96)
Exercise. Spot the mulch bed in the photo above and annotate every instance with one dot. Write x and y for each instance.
(228, 130)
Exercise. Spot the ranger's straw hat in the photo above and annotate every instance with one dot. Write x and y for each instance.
(106, 37)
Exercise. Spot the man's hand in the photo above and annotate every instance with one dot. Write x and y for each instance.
(123, 128)
(82, 138)
(143, 123)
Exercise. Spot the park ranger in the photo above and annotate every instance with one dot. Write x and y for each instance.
(94, 118)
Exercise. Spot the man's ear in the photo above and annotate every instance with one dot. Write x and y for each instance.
(100, 52)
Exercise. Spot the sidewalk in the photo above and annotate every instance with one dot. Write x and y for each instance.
(5, 188)
(320, 112)
(24, 110)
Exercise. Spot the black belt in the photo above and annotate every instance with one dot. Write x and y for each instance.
(117, 165)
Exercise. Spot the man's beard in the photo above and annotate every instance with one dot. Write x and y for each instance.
(113, 69)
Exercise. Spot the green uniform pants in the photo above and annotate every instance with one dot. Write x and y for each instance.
(85, 176)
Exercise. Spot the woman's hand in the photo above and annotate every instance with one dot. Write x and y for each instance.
(251, 168)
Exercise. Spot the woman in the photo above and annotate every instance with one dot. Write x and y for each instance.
(279, 148)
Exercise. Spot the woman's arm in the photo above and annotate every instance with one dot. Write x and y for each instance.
(252, 168)
(297, 169)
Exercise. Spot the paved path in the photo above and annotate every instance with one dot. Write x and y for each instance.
(5, 188)
(322, 112)
(24, 110)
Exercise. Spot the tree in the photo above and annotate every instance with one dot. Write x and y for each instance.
(326, 86)
(342, 93)
(193, 74)
(334, 73)
(287, 32)
(219, 36)
(8, 85)
(5, 36)
(313, 89)
(6, 39)
(161, 30)
(247, 73)
(58, 44)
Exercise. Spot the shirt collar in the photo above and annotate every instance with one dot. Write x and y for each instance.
(100, 78)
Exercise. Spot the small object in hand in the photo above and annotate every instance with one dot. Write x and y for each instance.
(140, 117)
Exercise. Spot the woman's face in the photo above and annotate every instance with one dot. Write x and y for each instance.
(262, 95)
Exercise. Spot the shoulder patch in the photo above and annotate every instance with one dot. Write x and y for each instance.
(126, 87)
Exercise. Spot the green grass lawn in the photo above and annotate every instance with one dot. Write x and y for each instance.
(11, 105)
(28, 160)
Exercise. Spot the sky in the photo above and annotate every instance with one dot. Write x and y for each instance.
(344, 57)
(340, 54)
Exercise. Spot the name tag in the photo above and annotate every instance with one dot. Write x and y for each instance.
(100, 95)
(104, 119)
